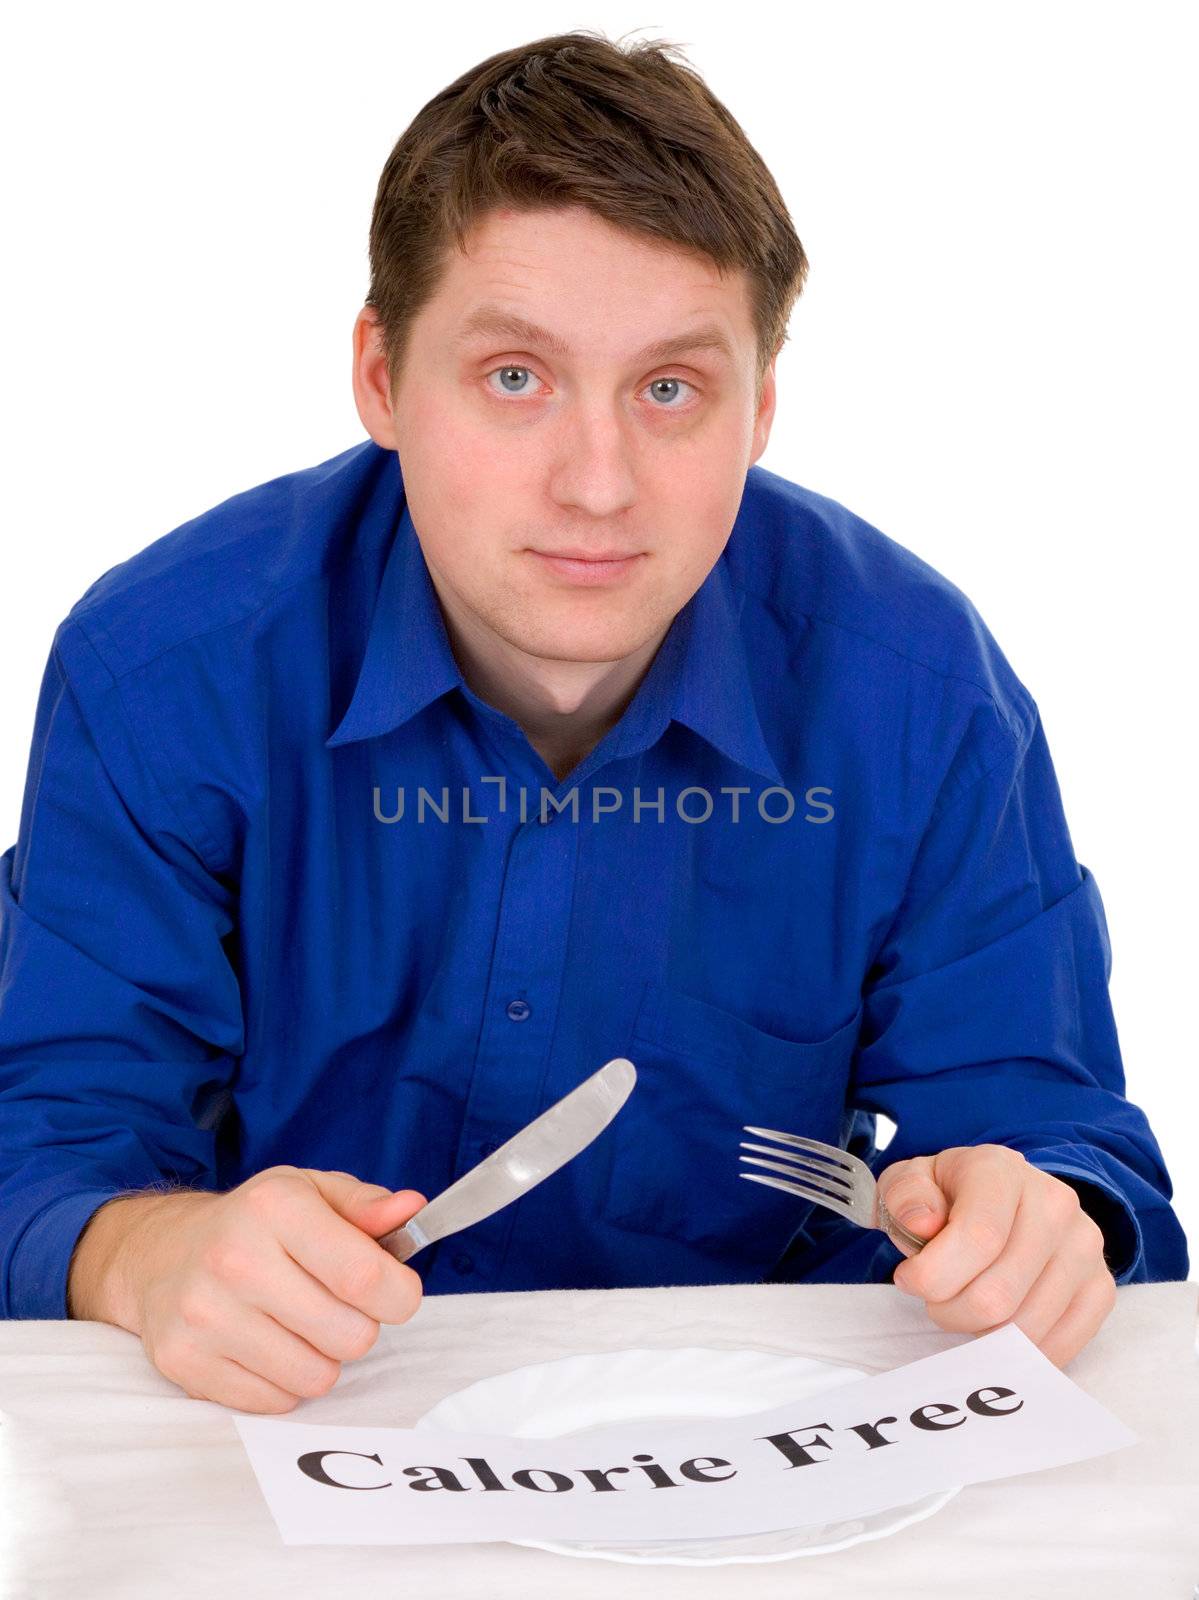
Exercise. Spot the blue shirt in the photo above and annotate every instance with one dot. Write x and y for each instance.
(818, 870)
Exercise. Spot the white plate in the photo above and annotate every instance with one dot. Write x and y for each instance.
(578, 1394)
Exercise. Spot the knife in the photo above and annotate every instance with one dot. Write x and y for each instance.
(540, 1148)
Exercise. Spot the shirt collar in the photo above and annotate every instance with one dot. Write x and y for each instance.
(714, 695)
(699, 676)
(408, 662)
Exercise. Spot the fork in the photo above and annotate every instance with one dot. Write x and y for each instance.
(827, 1175)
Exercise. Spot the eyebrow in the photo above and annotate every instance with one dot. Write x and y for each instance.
(495, 321)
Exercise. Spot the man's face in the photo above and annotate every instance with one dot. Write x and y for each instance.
(514, 445)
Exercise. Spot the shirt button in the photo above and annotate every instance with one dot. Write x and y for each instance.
(464, 1263)
(518, 1010)
(547, 815)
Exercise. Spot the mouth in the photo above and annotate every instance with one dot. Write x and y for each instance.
(577, 568)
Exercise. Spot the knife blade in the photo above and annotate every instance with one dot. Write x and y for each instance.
(539, 1149)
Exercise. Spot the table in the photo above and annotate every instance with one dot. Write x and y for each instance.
(117, 1485)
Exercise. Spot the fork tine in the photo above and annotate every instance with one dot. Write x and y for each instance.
(804, 1164)
(835, 1202)
(829, 1152)
(816, 1178)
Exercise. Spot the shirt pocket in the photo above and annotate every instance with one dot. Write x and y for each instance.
(703, 1073)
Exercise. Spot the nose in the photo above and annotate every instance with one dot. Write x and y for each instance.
(595, 462)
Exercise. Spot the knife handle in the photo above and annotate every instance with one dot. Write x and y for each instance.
(406, 1241)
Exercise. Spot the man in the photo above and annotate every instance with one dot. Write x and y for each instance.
(372, 810)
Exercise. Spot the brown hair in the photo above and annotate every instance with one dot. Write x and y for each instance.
(574, 119)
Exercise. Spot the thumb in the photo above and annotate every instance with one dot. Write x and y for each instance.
(370, 1206)
(387, 1210)
(914, 1198)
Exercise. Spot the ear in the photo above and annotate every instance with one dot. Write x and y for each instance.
(371, 389)
(765, 413)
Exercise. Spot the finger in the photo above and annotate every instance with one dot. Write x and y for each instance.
(1066, 1274)
(1076, 1261)
(986, 1304)
(924, 1224)
(231, 1385)
(273, 1352)
(244, 1391)
(1081, 1320)
(264, 1310)
(335, 1328)
(200, 1353)
(984, 1184)
(1035, 1275)
(337, 1252)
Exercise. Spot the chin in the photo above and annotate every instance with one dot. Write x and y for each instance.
(569, 642)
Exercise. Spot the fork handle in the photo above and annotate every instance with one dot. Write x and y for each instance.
(890, 1226)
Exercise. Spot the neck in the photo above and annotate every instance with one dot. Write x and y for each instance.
(564, 708)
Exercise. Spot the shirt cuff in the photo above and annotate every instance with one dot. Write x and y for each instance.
(41, 1259)
(1122, 1240)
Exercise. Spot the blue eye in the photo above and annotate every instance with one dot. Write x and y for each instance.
(519, 374)
(508, 372)
(657, 384)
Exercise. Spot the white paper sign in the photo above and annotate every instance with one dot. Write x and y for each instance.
(989, 1408)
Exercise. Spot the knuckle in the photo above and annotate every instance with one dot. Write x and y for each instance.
(362, 1340)
(1002, 1155)
(224, 1258)
(899, 1195)
(1087, 1229)
(1063, 1199)
(986, 1235)
(274, 1400)
(272, 1404)
(942, 1318)
(269, 1194)
(261, 1199)
(174, 1358)
(409, 1296)
(317, 1379)
(280, 1200)
(1091, 1237)
(195, 1309)
(363, 1277)
(271, 1175)
(989, 1300)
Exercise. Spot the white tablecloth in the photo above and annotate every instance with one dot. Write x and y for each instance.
(117, 1486)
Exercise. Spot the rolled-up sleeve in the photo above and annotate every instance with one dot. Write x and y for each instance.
(987, 1016)
(120, 1011)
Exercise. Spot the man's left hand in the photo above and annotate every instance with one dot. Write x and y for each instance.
(1009, 1243)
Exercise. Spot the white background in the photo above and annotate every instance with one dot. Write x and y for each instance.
(993, 361)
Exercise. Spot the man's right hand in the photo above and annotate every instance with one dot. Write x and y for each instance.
(254, 1298)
